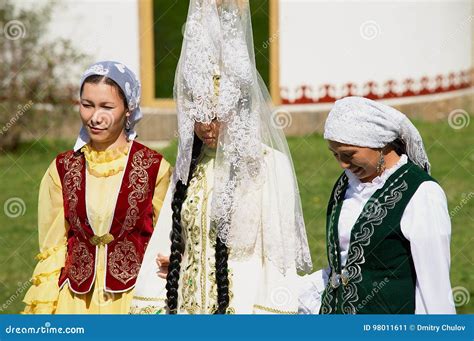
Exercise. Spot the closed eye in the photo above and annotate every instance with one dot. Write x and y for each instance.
(343, 154)
(346, 157)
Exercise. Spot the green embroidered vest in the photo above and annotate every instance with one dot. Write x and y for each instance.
(379, 276)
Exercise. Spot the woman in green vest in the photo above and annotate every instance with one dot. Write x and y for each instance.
(388, 226)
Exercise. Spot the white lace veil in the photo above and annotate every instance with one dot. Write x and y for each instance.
(255, 189)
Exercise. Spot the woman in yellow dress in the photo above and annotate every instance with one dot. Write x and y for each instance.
(98, 204)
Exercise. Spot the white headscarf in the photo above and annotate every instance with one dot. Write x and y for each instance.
(130, 86)
(361, 122)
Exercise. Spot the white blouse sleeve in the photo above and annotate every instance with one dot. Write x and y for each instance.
(311, 288)
(426, 224)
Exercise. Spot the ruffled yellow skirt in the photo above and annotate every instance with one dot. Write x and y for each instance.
(64, 301)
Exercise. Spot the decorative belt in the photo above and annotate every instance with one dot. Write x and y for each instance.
(101, 240)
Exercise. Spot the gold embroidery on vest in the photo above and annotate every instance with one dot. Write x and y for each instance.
(138, 181)
(72, 183)
(81, 267)
(124, 261)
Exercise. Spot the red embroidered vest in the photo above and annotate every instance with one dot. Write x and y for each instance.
(130, 230)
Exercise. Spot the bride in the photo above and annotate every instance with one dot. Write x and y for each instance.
(234, 212)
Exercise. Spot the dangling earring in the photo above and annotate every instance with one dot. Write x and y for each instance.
(127, 125)
(381, 163)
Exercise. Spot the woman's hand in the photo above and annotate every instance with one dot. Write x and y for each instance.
(162, 262)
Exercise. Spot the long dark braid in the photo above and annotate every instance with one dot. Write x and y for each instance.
(177, 242)
(222, 278)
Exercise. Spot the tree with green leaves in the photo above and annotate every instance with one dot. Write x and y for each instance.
(34, 93)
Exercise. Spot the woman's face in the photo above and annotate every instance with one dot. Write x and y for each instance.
(361, 161)
(103, 112)
(208, 133)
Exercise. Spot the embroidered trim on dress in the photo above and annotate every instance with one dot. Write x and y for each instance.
(124, 262)
(273, 310)
(138, 180)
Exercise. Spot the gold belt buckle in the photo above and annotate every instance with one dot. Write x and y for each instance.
(101, 240)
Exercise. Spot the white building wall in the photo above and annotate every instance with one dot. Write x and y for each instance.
(103, 29)
(336, 42)
(320, 41)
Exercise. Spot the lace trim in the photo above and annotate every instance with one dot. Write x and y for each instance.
(274, 311)
(201, 62)
(379, 180)
(149, 299)
(217, 45)
(105, 163)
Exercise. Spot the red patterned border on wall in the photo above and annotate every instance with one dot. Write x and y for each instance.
(328, 93)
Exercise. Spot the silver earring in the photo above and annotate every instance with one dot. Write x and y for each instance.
(127, 125)
(381, 163)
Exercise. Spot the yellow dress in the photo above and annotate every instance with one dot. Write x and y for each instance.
(104, 174)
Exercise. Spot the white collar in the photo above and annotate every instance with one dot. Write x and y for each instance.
(379, 181)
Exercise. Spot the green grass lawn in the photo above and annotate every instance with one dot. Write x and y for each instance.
(452, 158)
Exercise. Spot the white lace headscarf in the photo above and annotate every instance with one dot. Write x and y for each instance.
(361, 122)
(217, 78)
